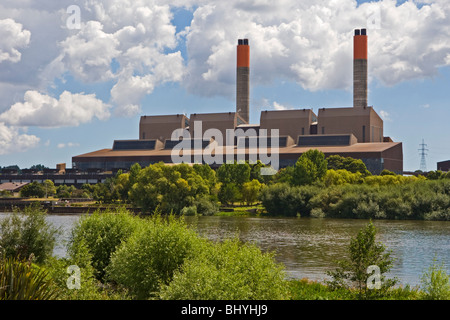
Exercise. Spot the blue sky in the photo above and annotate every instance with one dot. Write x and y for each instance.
(90, 85)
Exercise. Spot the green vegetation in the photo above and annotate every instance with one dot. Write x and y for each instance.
(22, 280)
(160, 257)
(436, 282)
(336, 187)
(354, 272)
(27, 235)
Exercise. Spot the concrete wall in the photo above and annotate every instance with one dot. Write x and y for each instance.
(220, 121)
(160, 127)
(291, 123)
(364, 123)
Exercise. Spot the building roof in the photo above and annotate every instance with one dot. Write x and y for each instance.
(354, 148)
(12, 186)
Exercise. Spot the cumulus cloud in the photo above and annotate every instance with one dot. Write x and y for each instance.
(311, 42)
(13, 37)
(88, 54)
(11, 140)
(44, 111)
(307, 42)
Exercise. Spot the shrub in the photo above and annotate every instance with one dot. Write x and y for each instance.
(27, 233)
(151, 255)
(102, 233)
(22, 280)
(352, 272)
(436, 282)
(283, 199)
(90, 288)
(189, 211)
(206, 205)
(228, 271)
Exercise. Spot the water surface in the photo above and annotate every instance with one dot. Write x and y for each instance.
(308, 247)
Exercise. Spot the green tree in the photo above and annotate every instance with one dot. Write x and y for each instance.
(364, 252)
(171, 188)
(229, 193)
(250, 191)
(237, 173)
(33, 190)
(310, 167)
(49, 188)
(336, 162)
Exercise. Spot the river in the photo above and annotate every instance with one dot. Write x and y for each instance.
(308, 247)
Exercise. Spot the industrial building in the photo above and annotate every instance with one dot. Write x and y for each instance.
(443, 166)
(355, 131)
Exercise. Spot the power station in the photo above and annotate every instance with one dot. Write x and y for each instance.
(355, 131)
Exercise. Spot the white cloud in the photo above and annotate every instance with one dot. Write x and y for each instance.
(89, 53)
(44, 111)
(278, 106)
(307, 42)
(311, 42)
(11, 140)
(68, 145)
(13, 37)
(385, 115)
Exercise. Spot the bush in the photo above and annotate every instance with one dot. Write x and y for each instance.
(436, 282)
(102, 233)
(228, 271)
(189, 211)
(285, 200)
(206, 205)
(90, 288)
(352, 272)
(151, 255)
(27, 233)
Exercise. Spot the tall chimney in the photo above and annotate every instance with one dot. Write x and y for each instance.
(243, 79)
(360, 69)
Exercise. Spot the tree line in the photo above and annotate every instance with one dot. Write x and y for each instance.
(314, 186)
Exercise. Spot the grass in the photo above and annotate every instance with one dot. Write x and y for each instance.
(305, 289)
(242, 210)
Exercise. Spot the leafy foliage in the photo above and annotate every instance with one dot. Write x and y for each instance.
(22, 280)
(151, 256)
(27, 233)
(227, 271)
(309, 168)
(102, 233)
(363, 252)
(435, 282)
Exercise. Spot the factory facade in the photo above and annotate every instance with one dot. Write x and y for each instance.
(280, 137)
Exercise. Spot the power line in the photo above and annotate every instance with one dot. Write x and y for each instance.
(423, 154)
